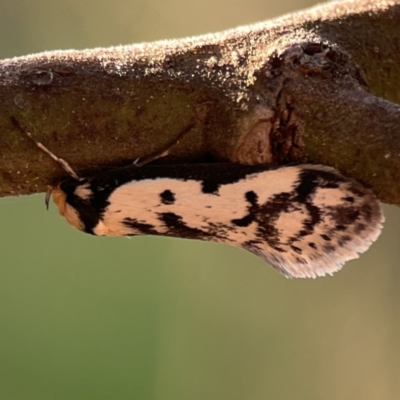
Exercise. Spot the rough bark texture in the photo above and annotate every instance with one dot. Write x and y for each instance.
(320, 86)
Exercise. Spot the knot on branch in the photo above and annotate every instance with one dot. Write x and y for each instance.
(324, 60)
(268, 137)
(271, 131)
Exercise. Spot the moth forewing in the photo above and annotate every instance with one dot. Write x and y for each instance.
(304, 220)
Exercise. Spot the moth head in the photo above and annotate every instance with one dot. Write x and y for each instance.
(65, 209)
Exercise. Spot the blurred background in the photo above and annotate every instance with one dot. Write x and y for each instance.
(166, 319)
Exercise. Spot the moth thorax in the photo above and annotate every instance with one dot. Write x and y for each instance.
(66, 210)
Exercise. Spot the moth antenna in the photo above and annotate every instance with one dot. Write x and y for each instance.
(165, 152)
(148, 160)
(64, 165)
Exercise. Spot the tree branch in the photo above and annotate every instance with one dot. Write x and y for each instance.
(318, 86)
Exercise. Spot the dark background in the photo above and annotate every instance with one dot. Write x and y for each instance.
(154, 318)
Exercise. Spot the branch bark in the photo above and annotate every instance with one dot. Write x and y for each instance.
(319, 86)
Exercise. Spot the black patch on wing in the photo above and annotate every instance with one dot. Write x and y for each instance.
(210, 187)
(298, 199)
(177, 227)
(301, 199)
(312, 179)
(245, 221)
(252, 198)
(167, 197)
(143, 228)
(267, 215)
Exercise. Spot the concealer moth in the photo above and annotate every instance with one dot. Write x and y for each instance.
(304, 220)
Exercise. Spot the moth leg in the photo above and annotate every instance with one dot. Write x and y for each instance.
(166, 151)
(48, 196)
(64, 165)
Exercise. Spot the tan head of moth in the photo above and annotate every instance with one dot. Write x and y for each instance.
(65, 210)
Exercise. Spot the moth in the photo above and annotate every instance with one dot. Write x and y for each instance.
(304, 220)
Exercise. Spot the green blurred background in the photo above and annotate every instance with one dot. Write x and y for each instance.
(154, 318)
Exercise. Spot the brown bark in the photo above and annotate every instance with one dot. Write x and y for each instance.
(320, 86)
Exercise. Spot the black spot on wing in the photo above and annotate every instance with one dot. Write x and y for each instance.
(210, 186)
(143, 228)
(167, 197)
(296, 249)
(251, 197)
(325, 237)
(245, 221)
(177, 227)
(171, 220)
(300, 260)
